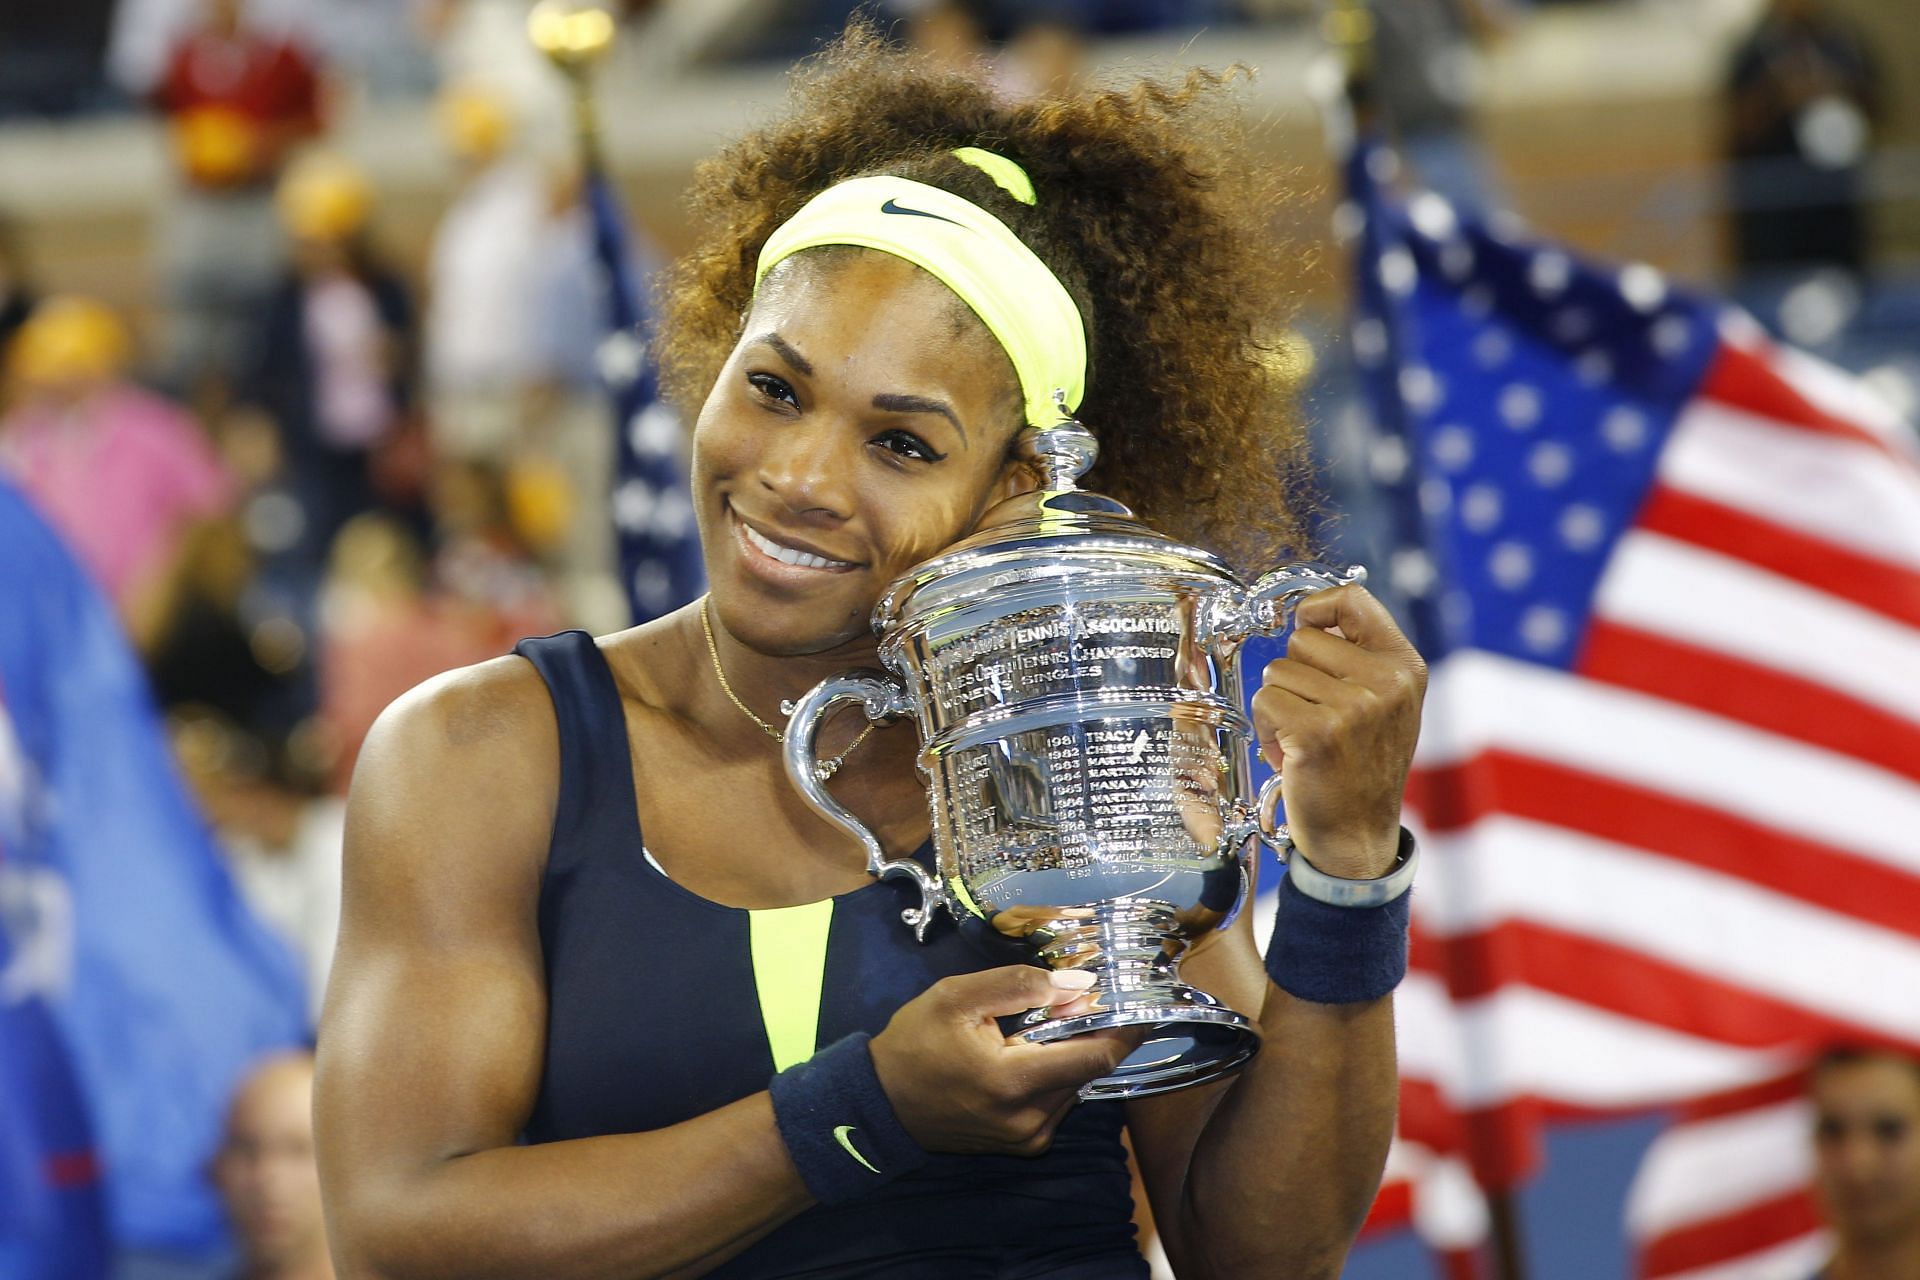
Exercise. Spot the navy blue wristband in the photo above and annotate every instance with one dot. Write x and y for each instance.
(1337, 955)
(838, 1124)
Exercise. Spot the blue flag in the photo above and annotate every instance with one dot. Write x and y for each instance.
(660, 564)
(125, 925)
(53, 1214)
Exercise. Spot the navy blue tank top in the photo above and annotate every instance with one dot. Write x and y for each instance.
(663, 1006)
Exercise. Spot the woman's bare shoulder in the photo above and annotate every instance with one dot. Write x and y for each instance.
(465, 764)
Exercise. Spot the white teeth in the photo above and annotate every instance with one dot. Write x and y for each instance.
(787, 555)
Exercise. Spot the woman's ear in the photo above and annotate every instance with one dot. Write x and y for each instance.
(1016, 477)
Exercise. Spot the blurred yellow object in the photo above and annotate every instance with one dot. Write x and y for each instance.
(324, 197)
(573, 33)
(474, 121)
(216, 146)
(69, 338)
(376, 555)
(539, 502)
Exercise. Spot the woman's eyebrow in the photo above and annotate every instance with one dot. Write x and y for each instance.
(892, 403)
(785, 351)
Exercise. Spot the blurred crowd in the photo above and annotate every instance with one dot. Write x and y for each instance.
(318, 477)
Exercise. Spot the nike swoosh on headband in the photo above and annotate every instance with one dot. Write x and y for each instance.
(840, 1132)
(891, 207)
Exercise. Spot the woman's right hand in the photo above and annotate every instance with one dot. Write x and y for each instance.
(960, 1085)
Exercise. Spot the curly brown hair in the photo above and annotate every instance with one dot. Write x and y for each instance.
(1148, 212)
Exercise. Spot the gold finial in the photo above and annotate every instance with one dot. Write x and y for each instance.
(574, 34)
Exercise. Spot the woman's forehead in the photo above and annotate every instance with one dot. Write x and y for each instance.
(871, 273)
(842, 302)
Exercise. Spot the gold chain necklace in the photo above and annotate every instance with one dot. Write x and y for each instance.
(823, 770)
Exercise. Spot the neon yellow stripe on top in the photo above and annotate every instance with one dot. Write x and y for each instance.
(789, 947)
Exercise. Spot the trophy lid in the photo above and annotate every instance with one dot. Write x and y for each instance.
(1044, 535)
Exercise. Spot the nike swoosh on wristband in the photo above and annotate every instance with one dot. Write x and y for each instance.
(840, 1133)
(891, 207)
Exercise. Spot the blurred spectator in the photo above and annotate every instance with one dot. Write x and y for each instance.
(239, 643)
(16, 285)
(278, 827)
(1035, 49)
(484, 43)
(1867, 1162)
(483, 281)
(1424, 83)
(53, 56)
(122, 473)
(266, 1175)
(952, 32)
(330, 358)
(392, 622)
(237, 102)
(1804, 97)
(512, 327)
(1045, 53)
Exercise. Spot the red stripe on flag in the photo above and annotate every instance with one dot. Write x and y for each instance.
(1454, 797)
(1506, 1144)
(1428, 1118)
(1392, 1209)
(1628, 982)
(1870, 582)
(1763, 697)
(1747, 381)
(1757, 1226)
(1768, 1093)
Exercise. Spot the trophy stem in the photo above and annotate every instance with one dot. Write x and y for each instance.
(1133, 949)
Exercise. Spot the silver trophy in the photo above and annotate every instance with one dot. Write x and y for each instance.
(1075, 679)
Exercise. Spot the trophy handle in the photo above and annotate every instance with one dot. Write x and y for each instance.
(882, 699)
(1264, 609)
(1267, 606)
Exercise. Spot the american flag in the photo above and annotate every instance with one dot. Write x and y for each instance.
(660, 566)
(1667, 576)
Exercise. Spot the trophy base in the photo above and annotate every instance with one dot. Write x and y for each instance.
(1194, 1039)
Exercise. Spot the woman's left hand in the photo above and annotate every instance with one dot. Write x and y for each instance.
(1338, 717)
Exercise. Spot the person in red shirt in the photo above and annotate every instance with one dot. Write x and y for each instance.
(237, 102)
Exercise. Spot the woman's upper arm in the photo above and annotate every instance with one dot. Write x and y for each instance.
(432, 1036)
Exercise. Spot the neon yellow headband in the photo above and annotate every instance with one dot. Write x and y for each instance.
(969, 250)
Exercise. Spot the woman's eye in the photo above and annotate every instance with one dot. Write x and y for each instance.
(905, 444)
(773, 388)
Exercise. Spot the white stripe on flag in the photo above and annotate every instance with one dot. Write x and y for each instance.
(1477, 700)
(1705, 1169)
(1791, 477)
(1835, 392)
(1526, 1043)
(1673, 588)
(1449, 1210)
(1426, 1030)
(1728, 929)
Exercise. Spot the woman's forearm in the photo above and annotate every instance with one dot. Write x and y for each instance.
(1291, 1158)
(675, 1202)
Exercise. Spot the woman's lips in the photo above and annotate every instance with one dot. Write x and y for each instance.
(772, 558)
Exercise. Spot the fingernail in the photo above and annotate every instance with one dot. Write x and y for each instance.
(1072, 979)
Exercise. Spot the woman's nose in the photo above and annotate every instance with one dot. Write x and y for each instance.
(807, 466)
